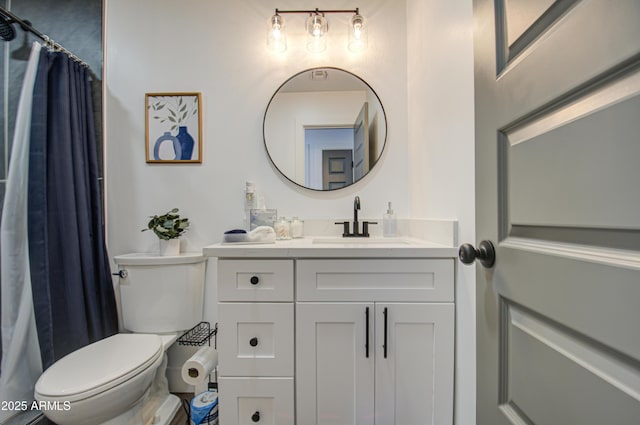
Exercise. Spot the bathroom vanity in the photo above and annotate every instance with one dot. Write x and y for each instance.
(328, 330)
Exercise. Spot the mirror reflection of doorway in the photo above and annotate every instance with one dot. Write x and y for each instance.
(344, 150)
(337, 168)
(327, 139)
(361, 143)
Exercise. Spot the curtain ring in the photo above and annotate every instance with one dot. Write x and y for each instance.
(51, 45)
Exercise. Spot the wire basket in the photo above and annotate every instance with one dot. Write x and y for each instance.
(199, 335)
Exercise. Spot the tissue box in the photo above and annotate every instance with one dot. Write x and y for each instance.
(262, 217)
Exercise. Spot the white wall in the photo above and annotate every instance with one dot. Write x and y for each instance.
(218, 48)
(441, 152)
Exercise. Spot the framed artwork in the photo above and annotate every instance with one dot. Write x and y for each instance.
(173, 128)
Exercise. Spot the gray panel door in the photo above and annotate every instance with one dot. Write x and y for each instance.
(361, 143)
(337, 168)
(557, 88)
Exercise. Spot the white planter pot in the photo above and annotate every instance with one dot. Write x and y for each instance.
(169, 247)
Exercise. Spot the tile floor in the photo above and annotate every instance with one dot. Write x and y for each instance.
(181, 417)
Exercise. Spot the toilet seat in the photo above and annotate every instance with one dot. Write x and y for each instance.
(99, 367)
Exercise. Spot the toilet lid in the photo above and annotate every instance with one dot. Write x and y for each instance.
(99, 366)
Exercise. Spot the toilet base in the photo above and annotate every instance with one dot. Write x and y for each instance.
(167, 410)
(163, 415)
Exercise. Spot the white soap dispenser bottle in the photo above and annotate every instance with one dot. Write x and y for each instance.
(389, 223)
(250, 198)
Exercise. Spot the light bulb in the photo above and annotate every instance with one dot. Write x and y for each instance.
(317, 28)
(358, 37)
(276, 35)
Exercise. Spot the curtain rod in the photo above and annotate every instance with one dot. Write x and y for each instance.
(52, 45)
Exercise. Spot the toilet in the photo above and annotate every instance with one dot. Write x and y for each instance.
(120, 380)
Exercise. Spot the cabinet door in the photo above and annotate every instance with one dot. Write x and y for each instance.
(334, 376)
(414, 364)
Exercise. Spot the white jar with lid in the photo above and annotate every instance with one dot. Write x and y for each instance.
(282, 228)
(297, 228)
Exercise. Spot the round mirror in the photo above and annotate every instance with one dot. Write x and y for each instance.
(324, 128)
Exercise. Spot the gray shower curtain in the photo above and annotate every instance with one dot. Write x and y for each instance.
(72, 288)
(21, 361)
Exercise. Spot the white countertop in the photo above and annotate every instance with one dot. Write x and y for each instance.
(332, 247)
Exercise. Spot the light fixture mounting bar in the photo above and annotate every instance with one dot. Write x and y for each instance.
(318, 11)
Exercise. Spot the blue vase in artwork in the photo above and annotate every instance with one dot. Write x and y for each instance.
(186, 143)
(175, 143)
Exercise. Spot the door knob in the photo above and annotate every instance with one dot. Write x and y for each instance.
(255, 417)
(253, 342)
(486, 253)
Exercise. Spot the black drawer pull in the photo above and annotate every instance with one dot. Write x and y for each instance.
(255, 417)
(384, 345)
(366, 332)
(254, 280)
(253, 341)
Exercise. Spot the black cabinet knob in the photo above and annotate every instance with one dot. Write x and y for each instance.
(255, 417)
(254, 280)
(253, 341)
(486, 253)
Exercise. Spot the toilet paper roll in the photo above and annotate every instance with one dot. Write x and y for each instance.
(198, 367)
(204, 408)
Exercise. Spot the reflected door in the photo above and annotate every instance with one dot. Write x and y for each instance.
(557, 122)
(361, 143)
(337, 168)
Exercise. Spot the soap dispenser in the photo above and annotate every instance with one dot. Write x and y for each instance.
(250, 199)
(389, 223)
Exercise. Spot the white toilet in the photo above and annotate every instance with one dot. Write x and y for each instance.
(120, 380)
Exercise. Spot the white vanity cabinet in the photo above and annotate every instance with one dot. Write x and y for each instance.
(319, 336)
(255, 341)
(364, 360)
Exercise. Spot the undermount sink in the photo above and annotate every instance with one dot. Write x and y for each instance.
(361, 241)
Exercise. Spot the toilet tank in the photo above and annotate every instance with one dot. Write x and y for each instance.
(161, 294)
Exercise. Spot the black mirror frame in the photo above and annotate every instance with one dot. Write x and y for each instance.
(264, 120)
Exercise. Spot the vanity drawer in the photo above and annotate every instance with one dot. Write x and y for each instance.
(255, 339)
(250, 401)
(255, 280)
(375, 280)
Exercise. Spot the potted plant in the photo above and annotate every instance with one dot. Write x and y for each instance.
(168, 227)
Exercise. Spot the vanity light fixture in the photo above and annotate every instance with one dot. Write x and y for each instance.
(277, 35)
(358, 34)
(317, 27)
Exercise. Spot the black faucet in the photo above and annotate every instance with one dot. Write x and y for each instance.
(356, 225)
